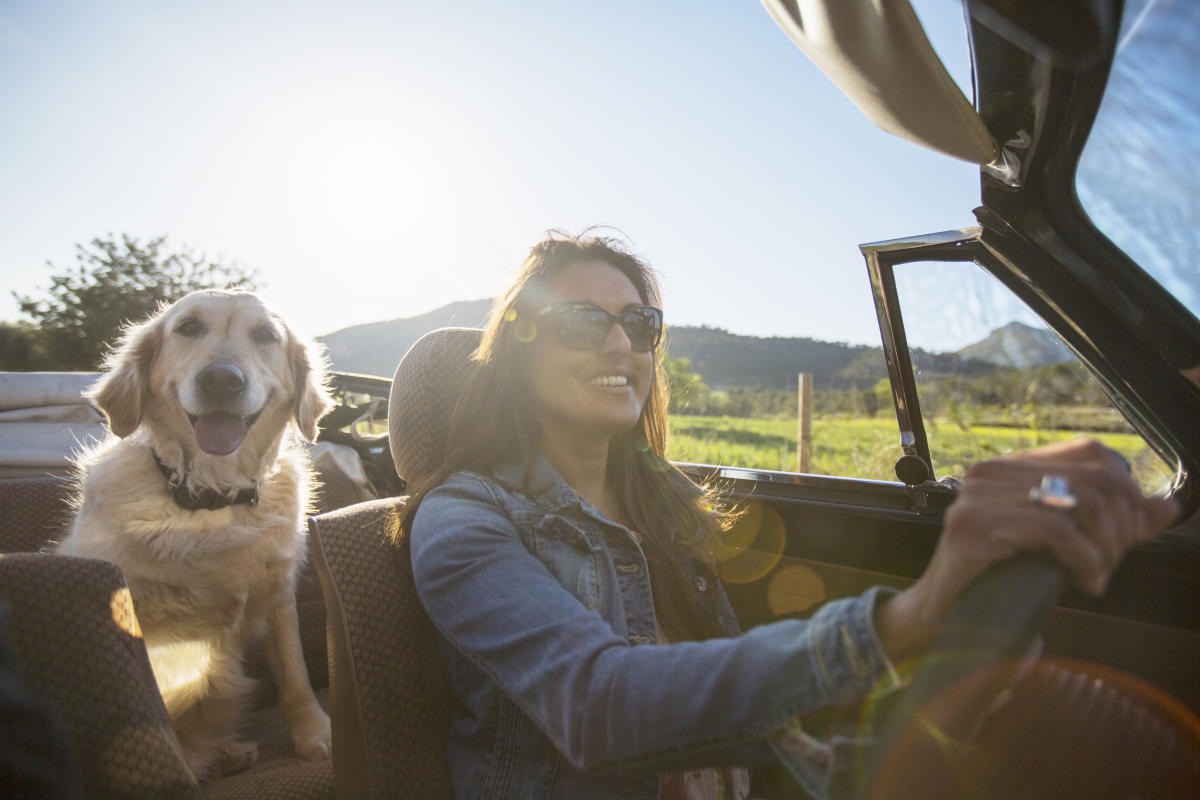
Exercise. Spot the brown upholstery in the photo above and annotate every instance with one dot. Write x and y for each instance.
(425, 388)
(70, 623)
(389, 703)
(388, 699)
(335, 489)
(33, 512)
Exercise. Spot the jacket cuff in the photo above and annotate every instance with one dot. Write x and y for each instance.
(852, 666)
(847, 652)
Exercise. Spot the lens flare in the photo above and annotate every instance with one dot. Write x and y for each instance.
(526, 331)
(120, 603)
(794, 589)
(739, 536)
(1054, 727)
(510, 315)
(753, 546)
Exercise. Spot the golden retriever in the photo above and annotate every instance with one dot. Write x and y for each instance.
(202, 502)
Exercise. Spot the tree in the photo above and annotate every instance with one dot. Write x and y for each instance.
(689, 392)
(113, 283)
(20, 347)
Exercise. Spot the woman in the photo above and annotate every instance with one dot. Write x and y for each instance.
(588, 646)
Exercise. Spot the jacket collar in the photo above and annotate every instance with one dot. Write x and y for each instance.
(542, 484)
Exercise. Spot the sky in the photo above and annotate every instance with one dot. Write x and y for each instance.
(376, 160)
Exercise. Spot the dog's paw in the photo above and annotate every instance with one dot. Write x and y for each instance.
(312, 737)
(236, 755)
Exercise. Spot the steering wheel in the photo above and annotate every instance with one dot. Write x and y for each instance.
(1052, 729)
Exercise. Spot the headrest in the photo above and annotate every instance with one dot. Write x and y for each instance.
(426, 386)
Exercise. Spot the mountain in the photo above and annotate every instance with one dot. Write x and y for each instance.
(375, 348)
(727, 359)
(1020, 346)
(723, 359)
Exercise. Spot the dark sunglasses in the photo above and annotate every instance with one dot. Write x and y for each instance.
(583, 326)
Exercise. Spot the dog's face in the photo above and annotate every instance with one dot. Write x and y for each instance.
(213, 366)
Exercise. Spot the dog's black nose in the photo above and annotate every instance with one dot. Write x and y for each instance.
(221, 381)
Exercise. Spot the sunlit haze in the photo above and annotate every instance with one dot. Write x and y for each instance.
(379, 160)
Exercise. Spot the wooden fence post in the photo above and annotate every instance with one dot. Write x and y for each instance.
(804, 423)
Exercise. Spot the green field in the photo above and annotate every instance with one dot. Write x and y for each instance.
(868, 447)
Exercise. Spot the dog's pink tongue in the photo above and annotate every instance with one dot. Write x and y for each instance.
(219, 434)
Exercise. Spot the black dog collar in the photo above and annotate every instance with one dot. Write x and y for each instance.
(207, 499)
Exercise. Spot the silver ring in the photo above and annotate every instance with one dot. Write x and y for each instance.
(1055, 493)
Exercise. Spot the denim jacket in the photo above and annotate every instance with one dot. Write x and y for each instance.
(548, 635)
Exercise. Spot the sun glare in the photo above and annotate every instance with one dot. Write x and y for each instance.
(121, 606)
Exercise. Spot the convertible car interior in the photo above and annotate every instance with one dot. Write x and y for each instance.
(1034, 690)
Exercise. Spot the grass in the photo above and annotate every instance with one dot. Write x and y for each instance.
(867, 447)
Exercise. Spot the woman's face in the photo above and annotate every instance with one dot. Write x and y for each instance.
(589, 393)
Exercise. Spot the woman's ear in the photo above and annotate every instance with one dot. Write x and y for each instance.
(312, 399)
(121, 391)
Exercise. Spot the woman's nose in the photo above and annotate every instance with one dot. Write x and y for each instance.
(617, 340)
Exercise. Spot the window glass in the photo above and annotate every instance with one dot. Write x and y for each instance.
(993, 379)
(1139, 174)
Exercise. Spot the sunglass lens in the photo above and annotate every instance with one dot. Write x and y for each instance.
(641, 326)
(586, 327)
(583, 328)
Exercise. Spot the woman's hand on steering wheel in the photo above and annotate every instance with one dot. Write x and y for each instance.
(1088, 525)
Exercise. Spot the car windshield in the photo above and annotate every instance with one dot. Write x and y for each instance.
(1139, 175)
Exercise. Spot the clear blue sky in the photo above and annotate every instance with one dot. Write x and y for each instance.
(376, 160)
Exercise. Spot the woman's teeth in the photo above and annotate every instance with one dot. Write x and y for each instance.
(609, 380)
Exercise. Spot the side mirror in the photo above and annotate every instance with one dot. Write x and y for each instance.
(912, 470)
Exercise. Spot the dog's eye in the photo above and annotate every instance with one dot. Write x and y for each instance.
(190, 327)
(265, 335)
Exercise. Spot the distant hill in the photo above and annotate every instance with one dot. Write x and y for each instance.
(723, 359)
(1020, 346)
(727, 359)
(375, 348)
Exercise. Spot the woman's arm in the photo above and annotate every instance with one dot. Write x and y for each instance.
(606, 705)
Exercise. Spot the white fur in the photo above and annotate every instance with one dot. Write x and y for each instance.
(207, 583)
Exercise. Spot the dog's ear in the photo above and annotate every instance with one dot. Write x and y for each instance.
(121, 391)
(312, 398)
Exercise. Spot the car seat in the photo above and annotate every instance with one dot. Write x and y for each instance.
(389, 703)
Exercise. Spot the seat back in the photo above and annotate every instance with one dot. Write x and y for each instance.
(71, 625)
(389, 703)
(34, 512)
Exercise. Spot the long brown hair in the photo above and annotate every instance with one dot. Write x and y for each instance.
(493, 422)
